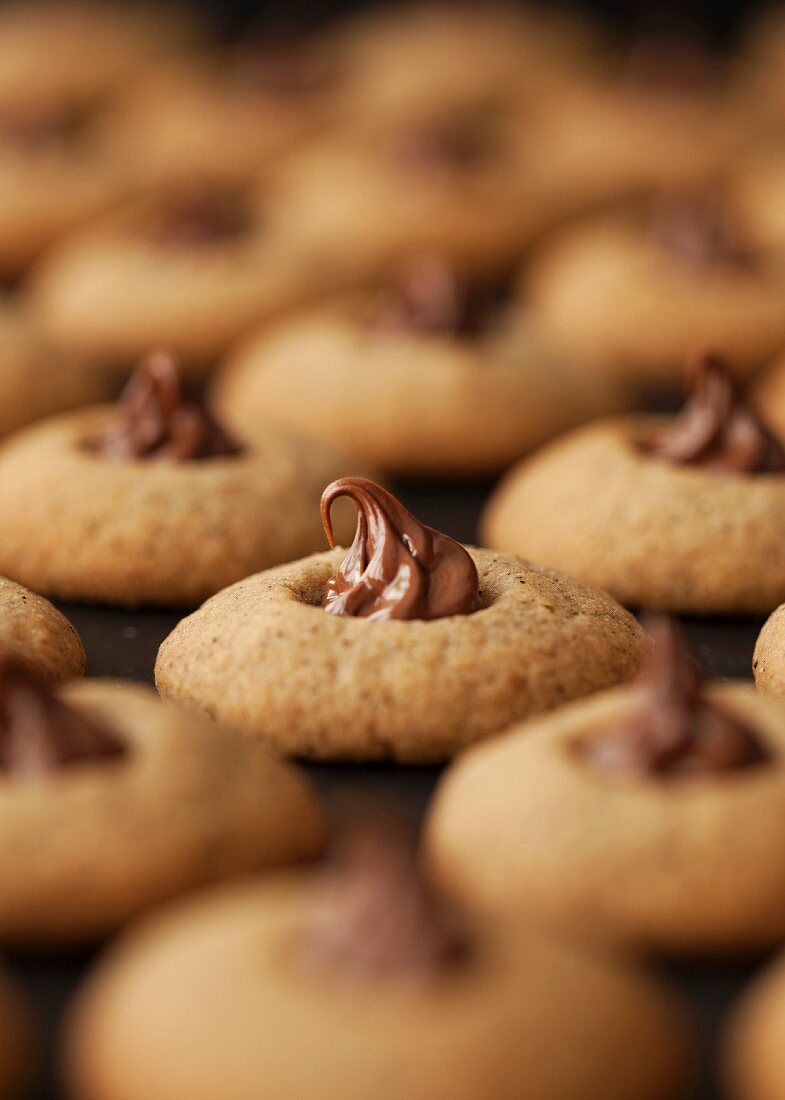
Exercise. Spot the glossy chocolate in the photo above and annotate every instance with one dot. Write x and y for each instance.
(39, 734)
(155, 420)
(716, 429)
(396, 568)
(671, 729)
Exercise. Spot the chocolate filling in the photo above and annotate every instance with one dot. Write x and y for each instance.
(716, 429)
(695, 232)
(396, 568)
(38, 131)
(154, 419)
(428, 298)
(39, 734)
(199, 218)
(672, 730)
(379, 921)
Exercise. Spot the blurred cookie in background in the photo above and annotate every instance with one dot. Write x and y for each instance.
(426, 374)
(638, 290)
(57, 54)
(444, 56)
(463, 182)
(226, 116)
(35, 380)
(188, 268)
(58, 168)
(684, 513)
(661, 114)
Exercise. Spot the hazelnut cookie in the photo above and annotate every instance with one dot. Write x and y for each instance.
(408, 646)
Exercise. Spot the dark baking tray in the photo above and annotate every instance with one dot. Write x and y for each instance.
(124, 644)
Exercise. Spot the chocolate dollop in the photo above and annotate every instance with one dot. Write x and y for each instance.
(287, 66)
(695, 231)
(672, 730)
(446, 143)
(154, 419)
(198, 218)
(716, 428)
(427, 297)
(379, 921)
(40, 734)
(37, 131)
(396, 568)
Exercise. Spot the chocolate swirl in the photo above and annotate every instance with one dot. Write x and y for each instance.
(427, 298)
(716, 428)
(198, 218)
(39, 734)
(396, 568)
(379, 921)
(672, 730)
(154, 419)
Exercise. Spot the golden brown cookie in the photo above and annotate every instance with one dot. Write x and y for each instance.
(366, 988)
(616, 819)
(149, 502)
(17, 1042)
(226, 116)
(447, 55)
(684, 514)
(507, 640)
(191, 268)
(35, 633)
(56, 171)
(660, 116)
(112, 802)
(638, 292)
(426, 375)
(753, 1048)
(768, 664)
(36, 381)
(68, 52)
(464, 182)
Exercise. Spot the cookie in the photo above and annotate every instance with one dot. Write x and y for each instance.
(150, 502)
(425, 375)
(683, 514)
(463, 182)
(36, 381)
(506, 639)
(37, 635)
(228, 116)
(112, 802)
(367, 987)
(752, 1053)
(56, 171)
(190, 268)
(768, 663)
(17, 1042)
(616, 819)
(59, 53)
(661, 116)
(445, 56)
(638, 292)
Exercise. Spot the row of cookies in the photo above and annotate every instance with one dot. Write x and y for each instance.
(720, 749)
(363, 957)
